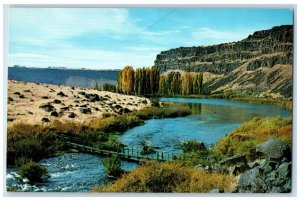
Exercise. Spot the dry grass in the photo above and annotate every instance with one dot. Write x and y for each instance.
(27, 109)
(169, 177)
(245, 139)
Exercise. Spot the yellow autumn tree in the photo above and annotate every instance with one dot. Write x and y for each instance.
(126, 80)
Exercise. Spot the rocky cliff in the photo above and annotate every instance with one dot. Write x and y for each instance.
(261, 63)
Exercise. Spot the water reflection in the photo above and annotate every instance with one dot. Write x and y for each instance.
(211, 120)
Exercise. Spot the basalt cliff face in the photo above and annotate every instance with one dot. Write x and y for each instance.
(261, 64)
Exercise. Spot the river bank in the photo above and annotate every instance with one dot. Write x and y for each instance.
(40, 137)
(286, 103)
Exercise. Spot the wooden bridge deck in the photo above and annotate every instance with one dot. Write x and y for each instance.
(128, 154)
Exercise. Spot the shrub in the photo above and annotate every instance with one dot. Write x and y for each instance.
(33, 172)
(116, 124)
(165, 112)
(147, 149)
(21, 161)
(113, 144)
(34, 146)
(169, 177)
(112, 166)
(192, 146)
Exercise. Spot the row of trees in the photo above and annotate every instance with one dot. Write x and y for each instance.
(176, 83)
(148, 81)
(143, 81)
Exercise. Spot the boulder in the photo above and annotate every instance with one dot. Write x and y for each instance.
(266, 166)
(62, 94)
(234, 160)
(63, 109)
(126, 110)
(56, 101)
(92, 97)
(72, 115)
(252, 181)
(47, 107)
(284, 170)
(44, 119)
(85, 110)
(273, 149)
(81, 93)
(238, 169)
(54, 114)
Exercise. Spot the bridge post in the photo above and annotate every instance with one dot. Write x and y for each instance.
(157, 155)
(162, 155)
(131, 150)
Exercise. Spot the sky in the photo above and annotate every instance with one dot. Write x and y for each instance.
(111, 38)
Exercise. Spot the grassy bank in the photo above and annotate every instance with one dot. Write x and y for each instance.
(169, 177)
(245, 139)
(34, 142)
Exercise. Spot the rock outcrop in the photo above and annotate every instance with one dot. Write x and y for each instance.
(273, 172)
(260, 63)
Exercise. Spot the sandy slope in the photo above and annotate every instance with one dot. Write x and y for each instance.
(25, 99)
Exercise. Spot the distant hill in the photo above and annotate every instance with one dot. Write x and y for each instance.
(260, 64)
(69, 77)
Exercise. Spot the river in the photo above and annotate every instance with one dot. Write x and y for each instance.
(211, 120)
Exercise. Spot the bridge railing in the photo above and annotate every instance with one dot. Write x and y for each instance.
(126, 152)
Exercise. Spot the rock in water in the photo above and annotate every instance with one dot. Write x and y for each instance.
(273, 149)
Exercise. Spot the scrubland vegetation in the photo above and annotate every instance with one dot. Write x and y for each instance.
(169, 177)
(35, 142)
(245, 139)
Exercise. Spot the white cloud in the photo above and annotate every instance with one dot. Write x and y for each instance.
(39, 37)
(208, 36)
(43, 24)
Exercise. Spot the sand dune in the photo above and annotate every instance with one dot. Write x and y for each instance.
(39, 103)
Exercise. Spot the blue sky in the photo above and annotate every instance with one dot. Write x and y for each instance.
(103, 38)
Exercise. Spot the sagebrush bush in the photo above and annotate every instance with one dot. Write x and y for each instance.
(33, 172)
(169, 177)
(112, 166)
(114, 144)
(192, 146)
(147, 148)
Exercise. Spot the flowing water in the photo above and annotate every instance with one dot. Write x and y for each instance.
(74, 172)
(211, 120)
